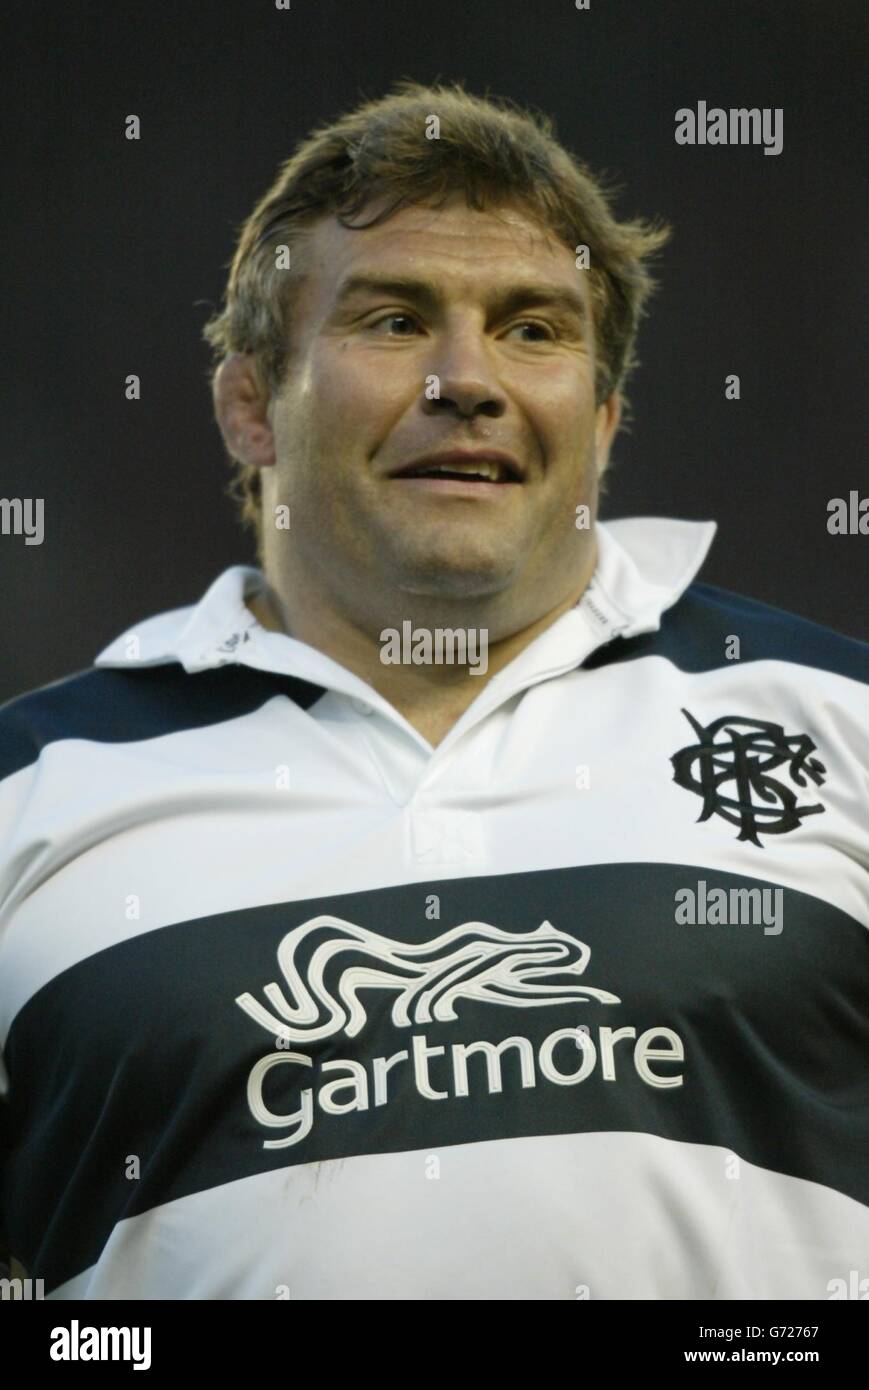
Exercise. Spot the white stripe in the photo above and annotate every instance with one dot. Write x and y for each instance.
(630, 1216)
(192, 823)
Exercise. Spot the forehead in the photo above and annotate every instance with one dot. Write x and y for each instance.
(456, 246)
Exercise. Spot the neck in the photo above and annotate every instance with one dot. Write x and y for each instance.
(431, 696)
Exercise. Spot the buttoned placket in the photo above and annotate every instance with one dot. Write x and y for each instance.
(415, 777)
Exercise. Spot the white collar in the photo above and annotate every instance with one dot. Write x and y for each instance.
(644, 566)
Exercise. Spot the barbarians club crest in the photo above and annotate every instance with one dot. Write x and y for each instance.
(730, 767)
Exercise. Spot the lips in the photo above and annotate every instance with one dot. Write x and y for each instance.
(451, 486)
(464, 465)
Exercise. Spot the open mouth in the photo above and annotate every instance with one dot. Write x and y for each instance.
(497, 474)
(480, 472)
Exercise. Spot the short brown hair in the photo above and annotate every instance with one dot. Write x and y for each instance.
(488, 148)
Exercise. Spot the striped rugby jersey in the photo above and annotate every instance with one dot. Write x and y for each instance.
(573, 1005)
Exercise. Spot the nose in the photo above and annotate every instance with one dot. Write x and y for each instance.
(466, 383)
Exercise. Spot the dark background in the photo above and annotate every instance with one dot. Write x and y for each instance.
(116, 253)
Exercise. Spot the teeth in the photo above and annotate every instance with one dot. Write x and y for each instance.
(487, 469)
(493, 471)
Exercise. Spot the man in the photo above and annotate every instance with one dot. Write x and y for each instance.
(464, 903)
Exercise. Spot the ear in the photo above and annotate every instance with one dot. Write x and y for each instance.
(609, 412)
(241, 403)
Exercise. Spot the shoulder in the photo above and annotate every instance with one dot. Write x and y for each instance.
(708, 627)
(105, 705)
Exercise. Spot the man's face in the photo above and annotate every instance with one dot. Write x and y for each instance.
(492, 315)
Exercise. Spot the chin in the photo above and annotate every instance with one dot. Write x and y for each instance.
(454, 583)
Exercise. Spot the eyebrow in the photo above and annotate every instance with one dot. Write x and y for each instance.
(427, 295)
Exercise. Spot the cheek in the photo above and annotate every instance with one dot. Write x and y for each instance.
(345, 378)
(557, 398)
(365, 391)
(564, 424)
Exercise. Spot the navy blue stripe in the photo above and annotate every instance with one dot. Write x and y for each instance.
(107, 705)
(694, 633)
(141, 1048)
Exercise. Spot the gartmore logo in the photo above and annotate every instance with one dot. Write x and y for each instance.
(473, 961)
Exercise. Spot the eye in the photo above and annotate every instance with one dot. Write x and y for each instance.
(542, 329)
(393, 318)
